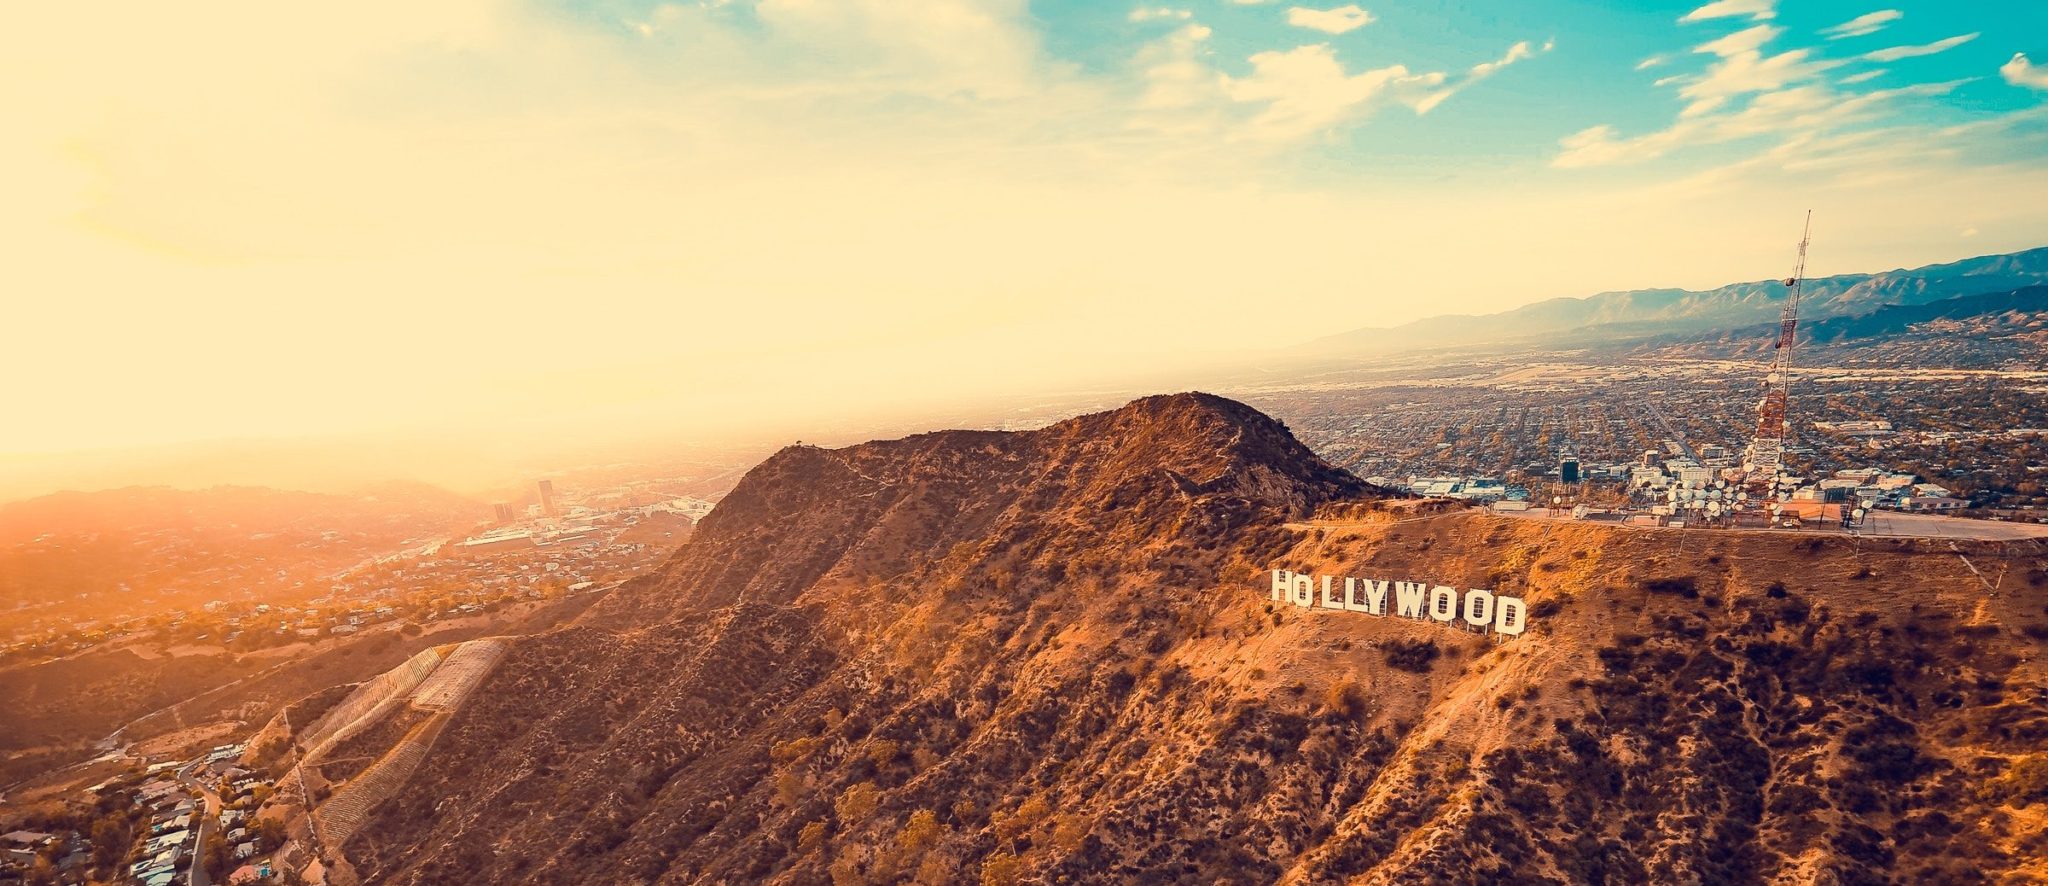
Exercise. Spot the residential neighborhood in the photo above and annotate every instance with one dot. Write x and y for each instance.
(191, 822)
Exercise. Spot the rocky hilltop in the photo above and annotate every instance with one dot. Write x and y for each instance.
(1053, 656)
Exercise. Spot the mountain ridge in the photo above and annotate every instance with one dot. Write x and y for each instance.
(1620, 314)
(1886, 321)
(1050, 656)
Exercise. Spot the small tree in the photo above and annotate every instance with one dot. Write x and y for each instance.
(1072, 829)
(270, 833)
(1343, 698)
(215, 855)
(111, 837)
(789, 788)
(811, 836)
(1001, 869)
(920, 832)
(857, 803)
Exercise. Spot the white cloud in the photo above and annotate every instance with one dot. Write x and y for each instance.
(1800, 112)
(1741, 68)
(1479, 72)
(1176, 75)
(1159, 13)
(1339, 20)
(1289, 95)
(1515, 53)
(1895, 53)
(1747, 91)
(2021, 72)
(1306, 90)
(1651, 62)
(1757, 10)
(1747, 40)
(933, 47)
(1865, 24)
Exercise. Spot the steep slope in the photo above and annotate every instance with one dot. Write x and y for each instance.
(1053, 655)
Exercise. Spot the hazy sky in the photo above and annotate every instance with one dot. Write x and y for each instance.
(236, 219)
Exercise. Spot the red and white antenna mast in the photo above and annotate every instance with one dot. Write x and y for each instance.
(1767, 448)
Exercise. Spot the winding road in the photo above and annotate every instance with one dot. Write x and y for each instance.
(209, 819)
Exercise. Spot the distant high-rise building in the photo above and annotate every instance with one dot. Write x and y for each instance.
(547, 498)
(505, 513)
(1568, 469)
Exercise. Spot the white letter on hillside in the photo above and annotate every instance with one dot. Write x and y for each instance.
(1351, 603)
(1510, 617)
(1408, 598)
(1328, 602)
(1443, 603)
(1283, 580)
(1304, 590)
(1375, 597)
(1478, 608)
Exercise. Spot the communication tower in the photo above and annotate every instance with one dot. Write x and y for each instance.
(1766, 454)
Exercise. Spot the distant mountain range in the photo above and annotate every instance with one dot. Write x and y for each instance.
(1893, 320)
(1643, 313)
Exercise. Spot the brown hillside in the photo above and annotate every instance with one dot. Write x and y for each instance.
(1050, 656)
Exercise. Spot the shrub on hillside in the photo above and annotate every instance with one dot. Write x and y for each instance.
(2024, 782)
(1343, 698)
(811, 836)
(1001, 869)
(857, 803)
(1684, 586)
(1417, 656)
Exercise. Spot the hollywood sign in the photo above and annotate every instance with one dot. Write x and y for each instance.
(1485, 610)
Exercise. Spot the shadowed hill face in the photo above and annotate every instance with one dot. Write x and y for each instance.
(1051, 656)
(881, 510)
